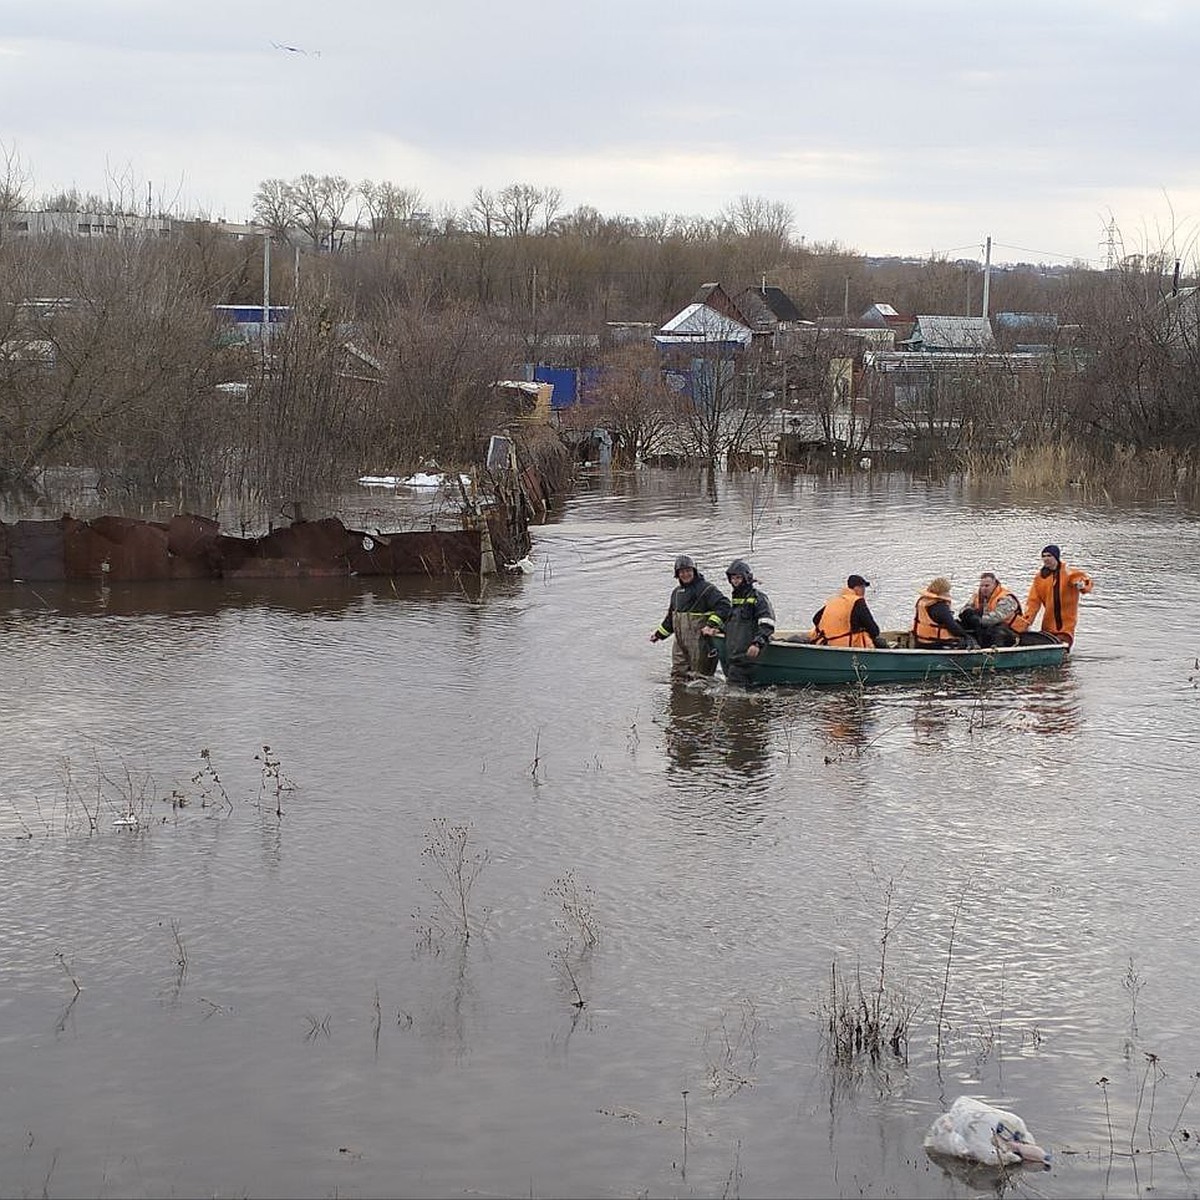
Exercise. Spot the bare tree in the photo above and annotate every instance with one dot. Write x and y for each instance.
(551, 205)
(633, 402)
(1142, 390)
(756, 217)
(390, 208)
(821, 373)
(438, 398)
(14, 185)
(482, 216)
(320, 205)
(518, 205)
(275, 207)
(339, 192)
(92, 372)
(722, 410)
(306, 429)
(124, 190)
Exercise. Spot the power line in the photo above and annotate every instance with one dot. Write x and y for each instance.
(1045, 253)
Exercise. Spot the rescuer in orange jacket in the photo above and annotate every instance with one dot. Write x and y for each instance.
(846, 620)
(1055, 593)
(990, 613)
(934, 624)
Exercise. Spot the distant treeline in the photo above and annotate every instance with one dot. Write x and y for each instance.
(402, 321)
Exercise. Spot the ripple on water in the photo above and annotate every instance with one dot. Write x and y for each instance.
(1027, 846)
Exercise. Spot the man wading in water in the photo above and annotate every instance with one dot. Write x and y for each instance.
(752, 625)
(694, 603)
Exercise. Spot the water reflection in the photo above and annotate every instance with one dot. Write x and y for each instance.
(1053, 703)
(707, 837)
(333, 597)
(849, 719)
(979, 1177)
(452, 998)
(712, 728)
(935, 719)
(1047, 703)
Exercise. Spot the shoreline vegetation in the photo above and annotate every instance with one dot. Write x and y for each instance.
(1159, 475)
(117, 355)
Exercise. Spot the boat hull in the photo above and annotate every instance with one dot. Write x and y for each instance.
(792, 662)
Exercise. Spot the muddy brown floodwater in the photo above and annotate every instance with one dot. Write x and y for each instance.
(228, 814)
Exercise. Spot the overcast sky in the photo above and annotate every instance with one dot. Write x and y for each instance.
(915, 128)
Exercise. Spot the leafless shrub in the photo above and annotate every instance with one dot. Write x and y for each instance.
(273, 782)
(212, 790)
(454, 868)
(576, 919)
(869, 1018)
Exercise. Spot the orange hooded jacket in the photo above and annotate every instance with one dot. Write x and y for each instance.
(1055, 594)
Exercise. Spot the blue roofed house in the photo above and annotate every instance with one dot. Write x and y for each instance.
(1026, 331)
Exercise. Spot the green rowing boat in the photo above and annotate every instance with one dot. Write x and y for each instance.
(788, 660)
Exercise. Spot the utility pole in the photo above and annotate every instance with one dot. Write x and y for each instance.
(266, 312)
(987, 275)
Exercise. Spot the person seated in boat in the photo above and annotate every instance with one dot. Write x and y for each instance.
(846, 620)
(1055, 593)
(990, 613)
(935, 626)
(694, 604)
(751, 626)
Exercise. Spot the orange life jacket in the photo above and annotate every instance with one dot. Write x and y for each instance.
(834, 629)
(925, 628)
(998, 594)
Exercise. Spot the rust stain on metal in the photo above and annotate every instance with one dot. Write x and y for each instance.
(193, 547)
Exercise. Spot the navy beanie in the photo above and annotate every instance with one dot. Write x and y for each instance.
(1053, 549)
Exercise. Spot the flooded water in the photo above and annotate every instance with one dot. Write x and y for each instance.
(227, 816)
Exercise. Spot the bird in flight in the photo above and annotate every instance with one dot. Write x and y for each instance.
(295, 50)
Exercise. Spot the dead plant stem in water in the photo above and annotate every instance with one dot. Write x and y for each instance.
(273, 780)
(536, 765)
(946, 976)
(62, 962)
(859, 1020)
(683, 1168)
(181, 957)
(1152, 1073)
(563, 962)
(1103, 1083)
